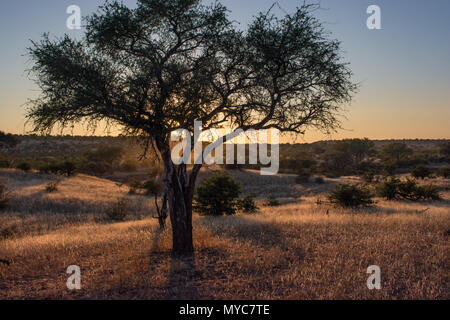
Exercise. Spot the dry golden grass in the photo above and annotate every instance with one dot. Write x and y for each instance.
(295, 251)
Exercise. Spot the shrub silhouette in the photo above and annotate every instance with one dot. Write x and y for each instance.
(421, 172)
(51, 186)
(5, 196)
(247, 204)
(217, 195)
(67, 168)
(10, 232)
(445, 172)
(389, 188)
(394, 189)
(272, 202)
(119, 210)
(303, 176)
(24, 166)
(346, 195)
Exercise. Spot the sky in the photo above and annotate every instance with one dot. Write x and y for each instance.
(403, 69)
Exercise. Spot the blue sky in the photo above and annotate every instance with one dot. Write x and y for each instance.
(404, 68)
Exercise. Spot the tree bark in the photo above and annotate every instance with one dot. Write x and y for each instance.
(180, 191)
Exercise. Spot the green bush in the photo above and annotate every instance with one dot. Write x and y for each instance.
(217, 195)
(67, 168)
(303, 176)
(319, 180)
(421, 172)
(119, 210)
(51, 187)
(272, 202)
(152, 187)
(5, 197)
(129, 165)
(445, 172)
(4, 161)
(369, 176)
(389, 188)
(393, 188)
(10, 232)
(346, 195)
(95, 167)
(247, 204)
(24, 166)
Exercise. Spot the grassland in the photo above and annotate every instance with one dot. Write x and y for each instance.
(299, 250)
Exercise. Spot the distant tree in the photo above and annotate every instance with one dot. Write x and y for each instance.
(166, 63)
(345, 156)
(396, 151)
(421, 172)
(444, 150)
(7, 140)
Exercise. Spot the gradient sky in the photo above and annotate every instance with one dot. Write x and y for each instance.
(404, 69)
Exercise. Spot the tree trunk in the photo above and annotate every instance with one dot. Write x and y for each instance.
(180, 192)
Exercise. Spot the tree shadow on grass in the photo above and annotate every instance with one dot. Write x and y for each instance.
(261, 235)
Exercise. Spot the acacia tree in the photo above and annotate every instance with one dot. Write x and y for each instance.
(167, 63)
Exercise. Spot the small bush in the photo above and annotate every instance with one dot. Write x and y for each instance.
(346, 195)
(421, 172)
(247, 204)
(51, 187)
(135, 186)
(24, 166)
(5, 197)
(272, 202)
(67, 168)
(10, 232)
(319, 180)
(445, 172)
(152, 187)
(217, 195)
(394, 189)
(129, 165)
(389, 188)
(303, 176)
(4, 161)
(118, 211)
(369, 176)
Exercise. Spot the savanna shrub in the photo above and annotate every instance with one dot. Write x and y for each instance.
(119, 210)
(319, 180)
(445, 172)
(67, 168)
(152, 187)
(393, 188)
(5, 197)
(24, 166)
(247, 204)
(272, 202)
(4, 161)
(421, 172)
(303, 176)
(346, 195)
(129, 165)
(135, 186)
(389, 188)
(51, 187)
(369, 176)
(10, 232)
(217, 195)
